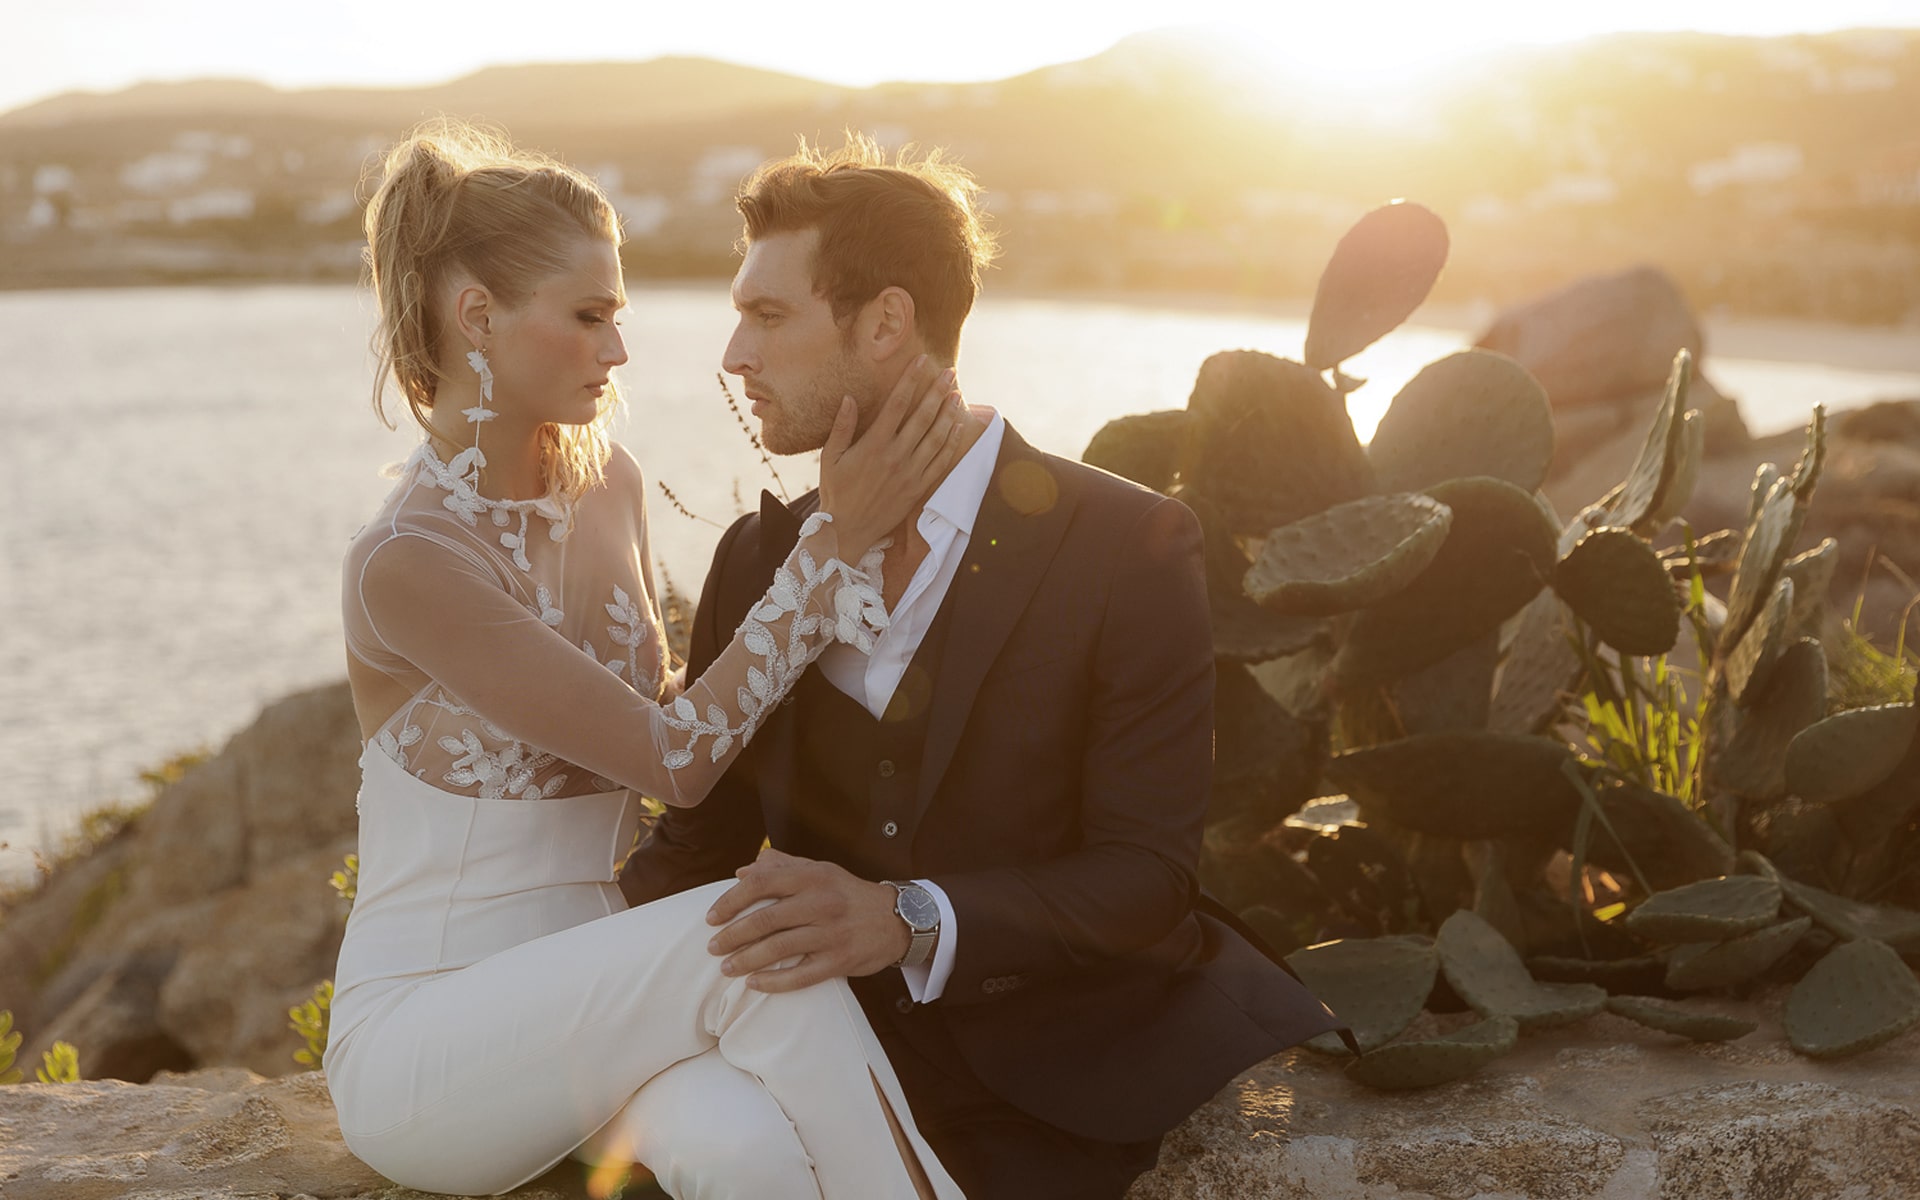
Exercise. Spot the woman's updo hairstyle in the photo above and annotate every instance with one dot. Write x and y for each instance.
(454, 198)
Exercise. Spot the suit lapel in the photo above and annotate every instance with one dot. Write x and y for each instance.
(1022, 519)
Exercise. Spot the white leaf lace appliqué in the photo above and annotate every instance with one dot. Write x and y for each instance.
(859, 613)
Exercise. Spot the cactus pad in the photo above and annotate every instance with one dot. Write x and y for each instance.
(1642, 972)
(1661, 462)
(1381, 270)
(1851, 752)
(1487, 973)
(1453, 693)
(1146, 447)
(1464, 783)
(1243, 632)
(1540, 671)
(1855, 920)
(1377, 986)
(1472, 413)
(1677, 489)
(1325, 814)
(1659, 837)
(1710, 910)
(1697, 966)
(1812, 574)
(1614, 582)
(1859, 996)
(1495, 559)
(1349, 556)
(1668, 1017)
(1271, 442)
(1752, 660)
(1761, 556)
(1255, 737)
(1459, 1054)
(1753, 760)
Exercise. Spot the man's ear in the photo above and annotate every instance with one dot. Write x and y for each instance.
(888, 325)
(473, 314)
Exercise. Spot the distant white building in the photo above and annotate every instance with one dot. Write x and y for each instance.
(720, 171)
(1750, 164)
(329, 206)
(214, 204)
(643, 215)
(165, 171)
(51, 178)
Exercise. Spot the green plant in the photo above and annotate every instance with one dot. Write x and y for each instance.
(1539, 726)
(346, 881)
(9, 1042)
(309, 1020)
(60, 1064)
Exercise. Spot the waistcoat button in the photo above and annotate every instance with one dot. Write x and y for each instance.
(890, 829)
(886, 768)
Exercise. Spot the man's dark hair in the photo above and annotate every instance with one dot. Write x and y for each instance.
(911, 224)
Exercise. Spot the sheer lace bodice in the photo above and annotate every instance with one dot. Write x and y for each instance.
(522, 640)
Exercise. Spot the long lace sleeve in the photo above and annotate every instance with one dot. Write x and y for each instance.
(445, 612)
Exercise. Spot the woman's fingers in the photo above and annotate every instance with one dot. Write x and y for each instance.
(913, 382)
(930, 457)
(840, 439)
(930, 404)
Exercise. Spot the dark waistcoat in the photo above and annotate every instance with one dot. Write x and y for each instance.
(857, 775)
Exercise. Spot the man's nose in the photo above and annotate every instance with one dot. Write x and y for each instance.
(737, 360)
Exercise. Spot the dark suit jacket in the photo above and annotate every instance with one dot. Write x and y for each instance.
(1061, 795)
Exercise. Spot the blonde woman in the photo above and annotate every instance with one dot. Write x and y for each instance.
(496, 1002)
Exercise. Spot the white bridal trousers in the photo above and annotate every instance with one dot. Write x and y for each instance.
(496, 1005)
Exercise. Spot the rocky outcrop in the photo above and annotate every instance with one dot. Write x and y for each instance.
(1602, 1110)
(216, 1133)
(185, 940)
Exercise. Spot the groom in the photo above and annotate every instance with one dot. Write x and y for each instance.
(991, 824)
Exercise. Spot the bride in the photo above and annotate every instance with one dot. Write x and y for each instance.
(496, 1003)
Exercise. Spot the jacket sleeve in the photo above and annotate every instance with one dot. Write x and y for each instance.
(1145, 777)
(688, 847)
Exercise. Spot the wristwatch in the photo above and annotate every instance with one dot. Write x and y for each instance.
(916, 906)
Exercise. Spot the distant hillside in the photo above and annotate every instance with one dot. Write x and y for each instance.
(659, 90)
(1771, 175)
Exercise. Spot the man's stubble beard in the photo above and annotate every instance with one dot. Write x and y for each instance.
(805, 421)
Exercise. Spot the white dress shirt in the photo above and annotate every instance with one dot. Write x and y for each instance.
(946, 525)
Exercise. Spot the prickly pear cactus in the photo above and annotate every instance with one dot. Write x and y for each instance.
(1851, 752)
(1379, 273)
(1146, 447)
(1463, 784)
(1271, 442)
(1405, 1065)
(1495, 559)
(1668, 1017)
(1376, 985)
(1711, 910)
(1487, 973)
(1349, 556)
(1698, 966)
(1614, 582)
(1472, 413)
(1859, 996)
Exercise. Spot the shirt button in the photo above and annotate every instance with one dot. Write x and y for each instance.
(890, 829)
(886, 768)
(903, 1005)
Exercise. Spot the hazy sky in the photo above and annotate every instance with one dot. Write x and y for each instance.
(104, 44)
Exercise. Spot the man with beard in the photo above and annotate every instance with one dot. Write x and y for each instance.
(991, 824)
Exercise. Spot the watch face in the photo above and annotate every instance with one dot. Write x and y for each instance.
(916, 906)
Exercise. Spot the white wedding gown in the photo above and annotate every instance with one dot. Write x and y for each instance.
(495, 1002)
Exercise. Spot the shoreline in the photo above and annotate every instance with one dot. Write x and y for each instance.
(1893, 349)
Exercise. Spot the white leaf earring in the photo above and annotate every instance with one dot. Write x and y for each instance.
(478, 361)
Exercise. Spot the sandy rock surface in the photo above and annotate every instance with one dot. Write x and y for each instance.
(1602, 1110)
